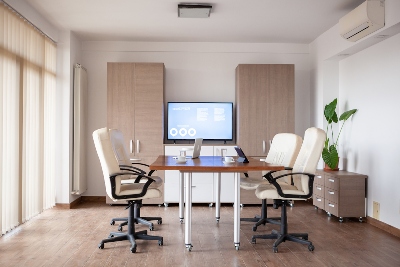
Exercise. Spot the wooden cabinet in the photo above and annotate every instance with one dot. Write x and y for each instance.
(135, 100)
(264, 105)
(340, 193)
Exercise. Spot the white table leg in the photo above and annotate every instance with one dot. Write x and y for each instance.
(236, 223)
(188, 209)
(181, 196)
(218, 196)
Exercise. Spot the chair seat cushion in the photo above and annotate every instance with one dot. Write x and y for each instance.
(268, 191)
(251, 183)
(129, 189)
(157, 181)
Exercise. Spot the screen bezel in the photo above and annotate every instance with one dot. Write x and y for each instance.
(200, 102)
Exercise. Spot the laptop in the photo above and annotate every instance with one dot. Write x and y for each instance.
(197, 147)
(242, 157)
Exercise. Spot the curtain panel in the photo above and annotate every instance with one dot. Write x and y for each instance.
(27, 134)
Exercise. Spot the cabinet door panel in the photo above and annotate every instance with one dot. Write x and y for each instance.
(148, 119)
(120, 98)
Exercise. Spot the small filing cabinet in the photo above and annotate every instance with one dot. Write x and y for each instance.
(340, 193)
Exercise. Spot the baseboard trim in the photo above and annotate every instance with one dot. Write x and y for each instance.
(383, 226)
(94, 199)
(71, 205)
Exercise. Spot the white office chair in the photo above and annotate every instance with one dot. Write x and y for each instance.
(122, 155)
(133, 193)
(284, 150)
(303, 177)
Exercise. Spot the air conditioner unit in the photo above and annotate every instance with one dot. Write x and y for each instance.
(363, 20)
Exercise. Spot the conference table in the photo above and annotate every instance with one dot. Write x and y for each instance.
(213, 164)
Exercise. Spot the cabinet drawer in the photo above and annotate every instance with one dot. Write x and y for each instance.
(331, 195)
(331, 207)
(319, 179)
(319, 190)
(319, 202)
(332, 182)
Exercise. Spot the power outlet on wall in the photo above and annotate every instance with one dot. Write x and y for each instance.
(376, 210)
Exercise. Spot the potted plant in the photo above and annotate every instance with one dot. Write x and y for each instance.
(329, 153)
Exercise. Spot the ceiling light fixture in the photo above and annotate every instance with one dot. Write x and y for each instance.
(194, 10)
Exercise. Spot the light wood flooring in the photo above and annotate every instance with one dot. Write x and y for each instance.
(60, 237)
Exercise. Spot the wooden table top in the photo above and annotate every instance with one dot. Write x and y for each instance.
(212, 164)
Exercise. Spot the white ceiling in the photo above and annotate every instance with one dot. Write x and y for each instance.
(242, 21)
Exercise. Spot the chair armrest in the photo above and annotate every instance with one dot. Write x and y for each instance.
(273, 181)
(142, 193)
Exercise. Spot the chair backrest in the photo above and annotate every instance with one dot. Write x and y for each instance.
(108, 161)
(119, 148)
(284, 150)
(309, 155)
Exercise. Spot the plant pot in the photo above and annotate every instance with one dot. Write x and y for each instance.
(327, 168)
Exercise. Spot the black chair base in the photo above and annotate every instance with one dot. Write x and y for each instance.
(283, 235)
(138, 219)
(131, 235)
(263, 218)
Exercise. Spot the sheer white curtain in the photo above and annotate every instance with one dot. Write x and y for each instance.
(27, 98)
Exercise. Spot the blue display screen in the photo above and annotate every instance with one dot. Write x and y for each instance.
(207, 120)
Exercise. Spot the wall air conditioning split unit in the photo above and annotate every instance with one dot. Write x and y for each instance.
(363, 20)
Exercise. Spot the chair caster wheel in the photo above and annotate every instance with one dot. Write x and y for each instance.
(253, 240)
(120, 228)
(133, 249)
(159, 222)
(360, 219)
(101, 246)
(311, 247)
(112, 222)
(254, 228)
(275, 249)
(151, 228)
(110, 236)
(160, 242)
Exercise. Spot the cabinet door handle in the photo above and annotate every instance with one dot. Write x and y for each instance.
(318, 199)
(137, 146)
(319, 188)
(319, 176)
(264, 146)
(131, 146)
(331, 180)
(331, 205)
(192, 186)
(331, 192)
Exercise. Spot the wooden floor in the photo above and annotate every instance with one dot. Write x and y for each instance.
(70, 238)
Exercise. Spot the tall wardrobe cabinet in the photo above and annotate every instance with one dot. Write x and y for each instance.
(135, 99)
(264, 107)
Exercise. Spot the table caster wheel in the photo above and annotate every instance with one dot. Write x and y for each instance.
(181, 221)
(360, 219)
(241, 205)
(341, 219)
(165, 204)
(237, 247)
(210, 205)
(189, 247)
(311, 247)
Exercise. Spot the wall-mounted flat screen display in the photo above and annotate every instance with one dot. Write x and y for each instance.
(207, 120)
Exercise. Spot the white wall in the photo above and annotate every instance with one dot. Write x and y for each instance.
(366, 79)
(193, 72)
(370, 81)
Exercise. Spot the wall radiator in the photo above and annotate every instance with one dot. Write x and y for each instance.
(79, 177)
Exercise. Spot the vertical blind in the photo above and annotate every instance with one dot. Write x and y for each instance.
(27, 134)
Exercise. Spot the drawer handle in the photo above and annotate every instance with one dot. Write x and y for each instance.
(331, 180)
(319, 188)
(331, 205)
(192, 186)
(319, 176)
(318, 199)
(331, 192)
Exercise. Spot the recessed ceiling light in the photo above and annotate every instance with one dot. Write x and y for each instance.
(381, 36)
(194, 10)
